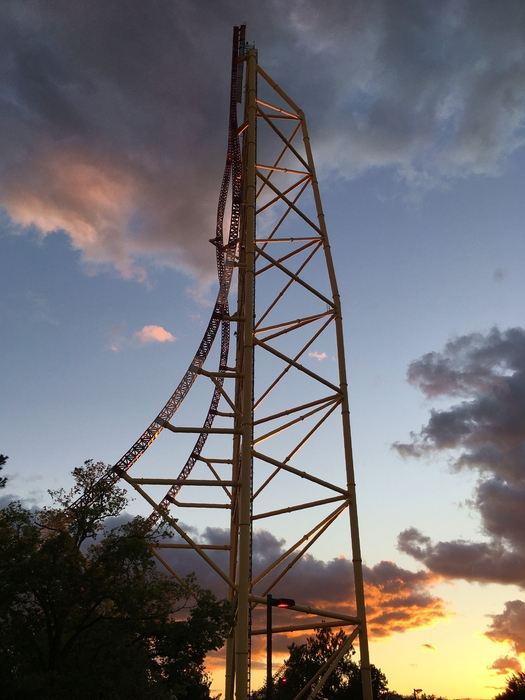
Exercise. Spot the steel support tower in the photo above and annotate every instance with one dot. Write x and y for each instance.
(273, 448)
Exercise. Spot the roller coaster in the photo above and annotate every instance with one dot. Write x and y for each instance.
(275, 442)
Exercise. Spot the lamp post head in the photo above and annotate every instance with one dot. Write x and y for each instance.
(283, 602)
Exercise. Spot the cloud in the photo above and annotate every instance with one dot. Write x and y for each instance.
(486, 562)
(509, 626)
(7, 498)
(318, 355)
(484, 433)
(397, 599)
(154, 334)
(413, 84)
(74, 192)
(505, 665)
(118, 340)
(30, 501)
(114, 129)
(428, 647)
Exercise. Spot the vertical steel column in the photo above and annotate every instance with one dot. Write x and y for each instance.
(248, 259)
(347, 437)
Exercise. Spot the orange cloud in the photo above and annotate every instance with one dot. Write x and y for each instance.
(318, 355)
(114, 209)
(90, 200)
(505, 665)
(154, 334)
(399, 600)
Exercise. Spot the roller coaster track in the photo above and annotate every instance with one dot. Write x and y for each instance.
(226, 259)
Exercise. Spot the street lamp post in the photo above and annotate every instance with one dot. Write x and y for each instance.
(272, 602)
(269, 675)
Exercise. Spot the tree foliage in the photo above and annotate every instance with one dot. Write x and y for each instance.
(3, 479)
(87, 619)
(515, 689)
(306, 659)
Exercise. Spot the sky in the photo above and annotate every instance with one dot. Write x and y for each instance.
(113, 133)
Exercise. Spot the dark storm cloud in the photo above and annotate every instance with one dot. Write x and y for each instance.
(397, 599)
(114, 113)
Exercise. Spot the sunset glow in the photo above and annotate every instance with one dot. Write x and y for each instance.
(114, 133)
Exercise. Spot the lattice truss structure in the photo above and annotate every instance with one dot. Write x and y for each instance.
(271, 449)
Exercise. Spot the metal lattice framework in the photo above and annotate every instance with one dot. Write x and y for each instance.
(275, 442)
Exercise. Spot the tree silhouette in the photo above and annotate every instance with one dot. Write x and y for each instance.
(3, 479)
(97, 620)
(307, 659)
(515, 689)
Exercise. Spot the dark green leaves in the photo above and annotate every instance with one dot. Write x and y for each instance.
(102, 621)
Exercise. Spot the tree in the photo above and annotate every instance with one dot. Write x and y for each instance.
(88, 619)
(515, 689)
(306, 659)
(3, 479)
